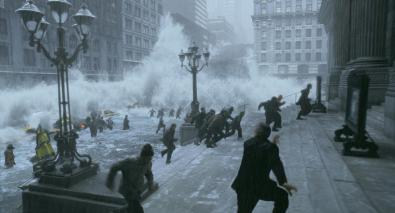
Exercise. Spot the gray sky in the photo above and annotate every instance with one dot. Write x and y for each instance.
(239, 15)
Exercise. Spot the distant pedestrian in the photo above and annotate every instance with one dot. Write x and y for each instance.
(152, 113)
(253, 182)
(171, 113)
(168, 141)
(178, 113)
(126, 123)
(161, 125)
(9, 156)
(304, 102)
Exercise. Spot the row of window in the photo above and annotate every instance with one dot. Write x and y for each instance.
(94, 64)
(138, 41)
(288, 6)
(287, 57)
(145, 14)
(298, 33)
(130, 55)
(287, 45)
(138, 27)
(289, 22)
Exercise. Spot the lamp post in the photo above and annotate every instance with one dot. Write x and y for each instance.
(194, 67)
(61, 170)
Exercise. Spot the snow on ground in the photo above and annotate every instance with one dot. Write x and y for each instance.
(106, 149)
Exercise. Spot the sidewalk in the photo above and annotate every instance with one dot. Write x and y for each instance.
(199, 179)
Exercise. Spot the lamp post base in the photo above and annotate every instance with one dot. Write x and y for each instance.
(188, 134)
(90, 195)
(57, 177)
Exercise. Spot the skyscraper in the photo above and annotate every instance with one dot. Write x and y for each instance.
(194, 10)
(288, 39)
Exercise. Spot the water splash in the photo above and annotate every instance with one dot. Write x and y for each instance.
(159, 82)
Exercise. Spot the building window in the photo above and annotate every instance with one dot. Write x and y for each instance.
(264, 34)
(138, 42)
(2, 4)
(129, 55)
(137, 11)
(263, 9)
(308, 45)
(146, 29)
(318, 44)
(145, 14)
(308, 32)
(137, 26)
(298, 6)
(29, 58)
(288, 45)
(318, 56)
(278, 45)
(319, 32)
(278, 57)
(263, 57)
(298, 33)
(308, 56)
(128, 7)
(129, 40)
(4, 54)
(298, 45)
(3, 27)
(278, 6)
(278, 33)
(297, 57)
(287, 57)
(128, 24)
(288, 33)
(309, 21)
(288, 6)
(309, 5)
(263, 46)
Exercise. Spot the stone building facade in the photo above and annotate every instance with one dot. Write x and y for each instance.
(362, 40)
(140, 23)
(289, 41)
(21, 63)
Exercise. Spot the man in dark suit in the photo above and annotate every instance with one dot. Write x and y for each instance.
(252, 182)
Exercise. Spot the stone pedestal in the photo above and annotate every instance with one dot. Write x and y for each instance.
(188, 134)
(377, 70)
(89, 195)
(389, 113)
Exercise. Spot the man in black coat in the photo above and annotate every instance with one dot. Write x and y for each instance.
(252, 182)
(126, 123)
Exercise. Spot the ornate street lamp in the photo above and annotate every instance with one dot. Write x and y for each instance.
(61, 170)
(193, 66)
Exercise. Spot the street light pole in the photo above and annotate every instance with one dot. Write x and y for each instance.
(193, 58)
(61, 170)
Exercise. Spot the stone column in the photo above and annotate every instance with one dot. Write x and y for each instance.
(337, 44)
(389, 113)
(367, 48)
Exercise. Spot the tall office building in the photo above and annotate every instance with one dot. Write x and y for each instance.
(288, 39)
(140, 28)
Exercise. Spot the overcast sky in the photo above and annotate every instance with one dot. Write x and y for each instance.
(239, 16)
